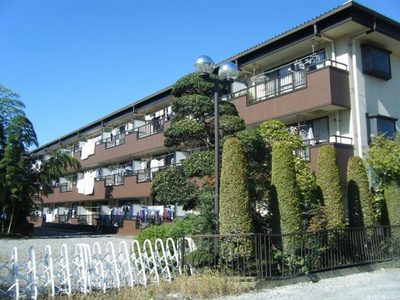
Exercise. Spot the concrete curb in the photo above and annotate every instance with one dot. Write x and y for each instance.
(315, 277)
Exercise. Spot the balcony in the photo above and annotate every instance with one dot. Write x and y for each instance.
(112, 187)
(344, 149)
(145, 138)
(324, 88)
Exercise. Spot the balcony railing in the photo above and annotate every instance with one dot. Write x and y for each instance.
(116, 140)
(333, 139)
(65, 187)
(114, 179)
(147, 174)
(269, 85)
(150, 128)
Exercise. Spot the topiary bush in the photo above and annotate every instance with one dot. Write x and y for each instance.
(307, 185)
(192, 84)
(392, 198)
(170, 186)
(284, 183)
(361, 205)
(199, 164)
(275, 131)
(235, 212)
(198, 106)
(186, 131)
(329, 184)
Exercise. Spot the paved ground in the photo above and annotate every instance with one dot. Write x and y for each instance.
(382, 284)
(55, 237)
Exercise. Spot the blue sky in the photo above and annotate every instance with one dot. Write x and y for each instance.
(74, 61)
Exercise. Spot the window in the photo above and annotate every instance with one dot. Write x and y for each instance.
(381, 125)
(376, 61)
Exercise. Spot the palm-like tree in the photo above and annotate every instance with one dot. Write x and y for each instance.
(20, 184)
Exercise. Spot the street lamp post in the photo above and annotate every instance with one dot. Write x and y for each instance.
(227, 72)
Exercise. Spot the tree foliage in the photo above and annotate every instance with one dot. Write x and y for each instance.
(384, 158)
(329, 184)
(392, 196)
(308, 189)
(188, 132)
(172, 186)
(20, 184)
(199, 164)
(275, 131)
(284, 184)
(234, 214)
(192, 84)
(361, 206)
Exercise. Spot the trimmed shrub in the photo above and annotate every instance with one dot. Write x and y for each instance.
(392, 198)
(307, 185)
(275, 131)
(361, 206)
(284, 184)
(170, 186)
(186, 131)
(329, 184)
(199, 164)
(192, 84)
(234, 213)
(198, 106)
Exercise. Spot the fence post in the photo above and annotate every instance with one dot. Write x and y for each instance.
(182, 254)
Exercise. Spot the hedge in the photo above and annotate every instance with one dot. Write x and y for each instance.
(234, 213)
(329, 184)
(286, 190)
(361, 206)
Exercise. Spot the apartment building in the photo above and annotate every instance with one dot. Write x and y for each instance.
(334, 79)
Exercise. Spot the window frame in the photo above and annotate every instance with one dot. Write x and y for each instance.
(369, 65)
(375, 128)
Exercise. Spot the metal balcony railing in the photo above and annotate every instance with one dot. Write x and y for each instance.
(269, 84)
(150, 128)
(65, 187)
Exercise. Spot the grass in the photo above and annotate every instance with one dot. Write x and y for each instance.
(203, 286)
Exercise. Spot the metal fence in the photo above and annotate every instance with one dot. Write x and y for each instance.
(278, 256)
(90, 268)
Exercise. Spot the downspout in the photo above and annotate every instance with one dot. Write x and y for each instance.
(318, 34)
(355, 87)
(333, 50)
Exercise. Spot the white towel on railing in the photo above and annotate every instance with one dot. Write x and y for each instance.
(88, 149)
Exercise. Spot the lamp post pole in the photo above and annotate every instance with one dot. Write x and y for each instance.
(227, 72)
(216, 154)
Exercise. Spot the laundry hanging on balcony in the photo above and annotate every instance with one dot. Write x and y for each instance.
(88, 149)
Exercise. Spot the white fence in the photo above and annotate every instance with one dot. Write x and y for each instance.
(90, 268)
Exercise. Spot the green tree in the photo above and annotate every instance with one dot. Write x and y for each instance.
(258, 165)
(307, 185)
(172, 186)
(329, 184)
(287, 193)
(275, 131)
(234, 214)
(392, 194)
(20, 184)
(384, 159)
(361, 206)
(192, 126)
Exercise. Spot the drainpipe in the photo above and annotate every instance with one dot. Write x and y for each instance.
(355, 87)
(333, 50)
(320, 35)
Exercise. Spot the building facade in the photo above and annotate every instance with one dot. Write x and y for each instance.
(334, 79)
